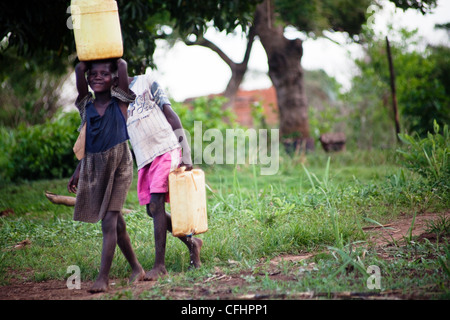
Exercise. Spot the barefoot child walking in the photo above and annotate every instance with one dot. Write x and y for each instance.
(158, 140)
(103, 177)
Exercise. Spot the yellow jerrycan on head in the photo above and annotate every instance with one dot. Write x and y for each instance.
(96, 27)
(187, 202)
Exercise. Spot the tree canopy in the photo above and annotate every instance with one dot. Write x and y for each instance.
(319, 15)
(39, 28)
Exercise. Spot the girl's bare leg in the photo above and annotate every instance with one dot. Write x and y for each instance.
(194, 245)
(109, 229)
(162, 224)
(156, 209)
(124, 242)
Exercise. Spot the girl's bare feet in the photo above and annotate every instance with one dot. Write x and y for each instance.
(194, 252)
(155, 273)
(137, 275)
(101, 285)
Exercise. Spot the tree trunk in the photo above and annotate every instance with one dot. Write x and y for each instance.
(285, 70)
(238, 70)
(393, 91)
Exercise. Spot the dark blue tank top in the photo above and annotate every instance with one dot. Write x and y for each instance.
(107, 131)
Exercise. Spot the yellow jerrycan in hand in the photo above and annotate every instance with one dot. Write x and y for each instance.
(187, 194)
(96, 27)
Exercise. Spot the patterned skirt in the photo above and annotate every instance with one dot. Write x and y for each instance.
(105, 179)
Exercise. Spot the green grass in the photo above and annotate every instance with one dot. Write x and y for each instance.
(317, 205)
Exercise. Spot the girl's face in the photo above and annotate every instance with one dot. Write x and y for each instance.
(100, 78)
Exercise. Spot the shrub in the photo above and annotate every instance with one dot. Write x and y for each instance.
(428, 156)
(41, 151)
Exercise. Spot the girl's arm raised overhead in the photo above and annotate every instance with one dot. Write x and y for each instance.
(122, 73)
(80, 75)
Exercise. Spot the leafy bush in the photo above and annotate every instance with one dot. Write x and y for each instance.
(429, 156)
(201, 115)
(209, 111)
(41, 151)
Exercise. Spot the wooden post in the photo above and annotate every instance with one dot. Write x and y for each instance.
(393, 91)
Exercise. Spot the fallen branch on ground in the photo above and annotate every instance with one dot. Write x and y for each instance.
(69, 201)
(378, 227)
(59, 199)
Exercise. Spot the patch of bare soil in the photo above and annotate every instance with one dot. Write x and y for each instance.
(402, 228)
(221, 285)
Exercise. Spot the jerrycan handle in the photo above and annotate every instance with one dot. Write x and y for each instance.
(182, 169)
(179, 170)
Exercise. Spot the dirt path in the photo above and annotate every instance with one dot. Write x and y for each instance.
(397, 230)
(223, 284)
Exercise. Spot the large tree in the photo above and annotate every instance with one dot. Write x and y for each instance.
(284, 55)
(312, 17)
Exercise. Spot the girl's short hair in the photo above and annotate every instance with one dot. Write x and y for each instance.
(112, 65)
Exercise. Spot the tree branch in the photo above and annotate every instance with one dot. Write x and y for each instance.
(202, 41)
(251, 38)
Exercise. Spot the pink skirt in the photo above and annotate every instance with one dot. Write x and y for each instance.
(154, 177)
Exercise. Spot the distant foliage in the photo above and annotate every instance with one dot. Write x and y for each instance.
(422, 86)
(41, 151)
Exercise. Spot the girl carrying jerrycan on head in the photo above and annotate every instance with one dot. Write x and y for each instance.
(103, 177)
